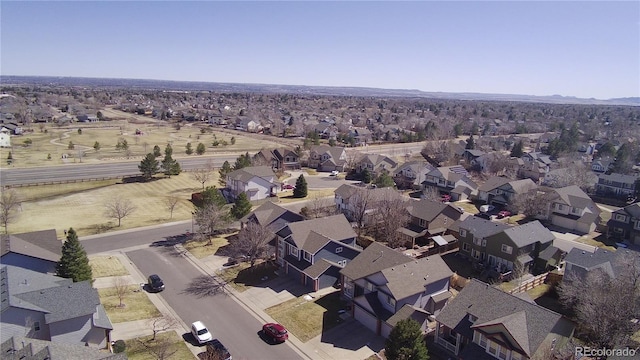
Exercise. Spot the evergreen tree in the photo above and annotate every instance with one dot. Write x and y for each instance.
(241, 207)
(366, 176)
(471, 143)
(300, 190)
(224, 170)
(169, 164)
(148, 166)
(189, 149)
(384, 180)
(74, 263)
(211, 195)
(242, 161)
(156, 151)
(200, 149)
(406, 342)
(516, 151)
(96, 146)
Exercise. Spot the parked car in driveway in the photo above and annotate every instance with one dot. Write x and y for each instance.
(335, 173)
(486, 208)
(275, 332)
(200, 332)
(215, 350)
(288, 187)
(504, 214)
(154, 283)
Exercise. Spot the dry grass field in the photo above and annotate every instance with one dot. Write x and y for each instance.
(103, 266)
(81, 205)
(53, 140)
(137, 305)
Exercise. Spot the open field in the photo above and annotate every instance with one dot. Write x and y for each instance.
(137, 305)
(136, 350)
(81, 205)
(54, 140)
(103, 266)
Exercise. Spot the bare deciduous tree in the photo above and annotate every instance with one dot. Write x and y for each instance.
(431, 193)
(119, 208)
(10, 204)
(531, 203)
(252, 241)
(572, 173)
(161, 324)
(171, 202)
(606, 305)
(391, 214)
(121, 289)
(359, 203)
(204, 174)
(162, 348)
(209, 219)
(319, 207)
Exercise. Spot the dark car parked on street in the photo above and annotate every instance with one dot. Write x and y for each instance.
(216, 350)
(155, 284)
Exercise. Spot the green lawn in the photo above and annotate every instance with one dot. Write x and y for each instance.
(103, 266)
(308, 319)
(136, 349)
(137, 305)
(242, 277)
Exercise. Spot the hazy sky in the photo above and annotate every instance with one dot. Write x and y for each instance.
(572, 48)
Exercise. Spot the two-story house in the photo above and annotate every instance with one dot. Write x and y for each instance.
(571, 208)
(616, 185)
(483, 322)
(25, 348)
(473, 233)
(280, 159)
(518, 246)
(48, 307)
(625, 224)
(376, 164)
(381, 283)
(362, 136)
(258, 182)
(411, 174)
(428, 218)
(38, 250)
(271, 216)
(328, 158)
(601, 165)
(451, 180)
(314, 251)
(501, 191)
(535, 165)
(359, 203)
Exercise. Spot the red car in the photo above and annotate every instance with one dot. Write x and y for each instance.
(287, 187)
(445, 198)
(504, 214)
(275, 332)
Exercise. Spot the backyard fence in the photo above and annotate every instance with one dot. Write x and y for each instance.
(546, 278)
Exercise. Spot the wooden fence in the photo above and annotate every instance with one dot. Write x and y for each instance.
(546, 278)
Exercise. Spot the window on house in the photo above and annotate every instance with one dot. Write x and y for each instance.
(36, 326)
(575, 210)
(560, 207)
(507, 249)
(620, 217)
(342, 263)
(618, 230)
(338, 249)
(502, 353)
(293, 251)
(484, 242)
(475, 254)
(483, 341)
(348, 288)
(477, 241)
(463, 232)
(493, 348)
(370, 286)
(466, 247)
(423, 222)
(391, 301)
(472, 318)
(307, 256)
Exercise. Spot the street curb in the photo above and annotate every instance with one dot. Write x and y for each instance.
(126, 231)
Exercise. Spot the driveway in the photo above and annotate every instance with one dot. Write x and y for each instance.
(321, 180)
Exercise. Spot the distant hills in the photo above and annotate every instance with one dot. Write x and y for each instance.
(298, 89)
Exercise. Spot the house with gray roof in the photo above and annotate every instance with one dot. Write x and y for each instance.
(483, 322)
(386, 286)
(473, 233)
(501, 191)
(314, 251)
(271, 216)
(411, 174)
(625, 224)
(355, 202)
(51, 308)
(328, 158)
(37, 250)
(616, 185)
(578, 263)
(571, 208)
(376, 164)
(258, 182)
(451, 180)
(428, 218)
(534, 166)
(280, 159)
(24, 348)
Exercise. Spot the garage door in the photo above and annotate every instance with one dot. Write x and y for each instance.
(366, 319)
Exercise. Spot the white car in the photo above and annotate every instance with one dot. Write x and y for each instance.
(200, 332)
(335, 173)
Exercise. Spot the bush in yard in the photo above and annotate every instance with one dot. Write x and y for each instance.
(406, 342)
(119, 346)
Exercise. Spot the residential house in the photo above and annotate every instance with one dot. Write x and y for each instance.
(501, 191)
(48, 307)
(616, 185)
(280, 159)
(271, 216)
(571, 208)
(328, 158)
(411, 174)
(535, 166)
(579, 263)
(473, 233)
(314, 251)
(601, 165)
(326, 130)
(625, 224)
(248, 125)
(11, 127)
(483, 322)
(5, 138)
(258, 182)
(24, 348)
(376, 164)
(362, 136)
(452, 180)
(427, 219)
(37, 251)
(385, 287)
(359, 203)
(470, 155)
(483, 162)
